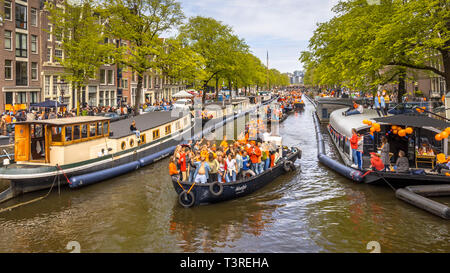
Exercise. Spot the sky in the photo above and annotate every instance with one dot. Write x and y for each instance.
(282, 27)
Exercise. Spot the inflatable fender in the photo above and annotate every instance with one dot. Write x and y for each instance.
(215, 185)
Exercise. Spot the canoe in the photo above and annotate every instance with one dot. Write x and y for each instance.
(200, 194)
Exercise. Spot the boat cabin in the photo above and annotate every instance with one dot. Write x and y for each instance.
(424, 130)
(37, 141)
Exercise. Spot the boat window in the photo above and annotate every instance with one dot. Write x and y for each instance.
(177, 126)
(84, 131)
(92, 130)
(76, 132)
(57, 134)
(68, 133)
(131, 142)
(168, 129)
(155, 134)
(105, 128)
(99, 128)
(143, 138)
(123, 145)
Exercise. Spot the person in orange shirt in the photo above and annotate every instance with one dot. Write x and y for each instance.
(173, 171)
(224, 144)
(255, 157)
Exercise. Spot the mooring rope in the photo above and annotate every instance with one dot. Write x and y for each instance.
(31, 201)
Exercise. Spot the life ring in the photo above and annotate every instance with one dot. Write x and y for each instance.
(213, 185)
(186, 199)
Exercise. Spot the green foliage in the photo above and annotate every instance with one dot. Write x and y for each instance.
(77, 25)
(367, 45)
(140, 23)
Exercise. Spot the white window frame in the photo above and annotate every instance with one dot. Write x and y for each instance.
(36, 44)
(10, 40)
(10, 10)
(37, 71)
(12, 70)
(33, 24)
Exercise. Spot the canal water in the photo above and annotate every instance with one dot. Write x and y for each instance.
(312, 210)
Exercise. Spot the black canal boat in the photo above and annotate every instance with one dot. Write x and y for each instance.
(192, 194)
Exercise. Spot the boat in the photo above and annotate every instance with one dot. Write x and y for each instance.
(83, 150)
(424, 130)
(192, 194)
(80, 151)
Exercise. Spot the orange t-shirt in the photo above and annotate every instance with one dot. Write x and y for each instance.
(173, 168)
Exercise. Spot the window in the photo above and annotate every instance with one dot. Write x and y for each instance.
(99, 128)
(102, 76)
(55, 85)
(168, 129)
(125, 83)
(21, 97)
(110, 77)
(21, 16)
(34, 44)
(145, 81)
(49, 33)
(58, 54)
(8, 40)
(143, 139)
(68, 133)
(49, 55)
(34, 71)
(155, 134)
(47, 85)
(34, 97)
(76, 132)
(92, 130)
(131, 142)
(34, 17)
(105, 128)
(21, 45)
(57, 134)
(7, 10)
(84, 131)
(177, 126)
(21, 74)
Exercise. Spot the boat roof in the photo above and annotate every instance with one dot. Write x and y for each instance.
(66, 121)
(344, 124)
(414, 120)
(144, 122)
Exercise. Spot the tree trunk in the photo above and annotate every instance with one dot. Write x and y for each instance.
(446, 62)
(78, 99)
(205, 86)
(217, 87)
(138, 95)
(401, 85)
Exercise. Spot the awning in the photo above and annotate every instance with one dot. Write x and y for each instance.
(414, 120)
(48, 104)
(182, 94)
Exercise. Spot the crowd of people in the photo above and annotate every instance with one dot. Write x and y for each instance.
(204, 161)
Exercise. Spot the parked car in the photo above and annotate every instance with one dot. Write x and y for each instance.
(405, 108)
(114, 116)
(153, 109)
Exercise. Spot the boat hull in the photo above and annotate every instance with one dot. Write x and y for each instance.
(203, 195)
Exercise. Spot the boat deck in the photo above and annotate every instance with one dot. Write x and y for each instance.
(144, 122)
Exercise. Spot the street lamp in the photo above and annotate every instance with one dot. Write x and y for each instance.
(62, 88)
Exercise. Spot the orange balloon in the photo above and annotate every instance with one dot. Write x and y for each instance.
(372, 129)
(394, 127)
(402, 133)
(376, 125)
(448, 130)
(378, 130)
(444, 134)
(438, 137)
(369, 122)
(409, 130)
(395, 132)
(365, 121)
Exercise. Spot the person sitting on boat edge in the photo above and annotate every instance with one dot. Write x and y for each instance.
(173, 170)
(134, 129)
(442, 163)
(376, 164)
(202, 169)
(402, 164)
(357, 109)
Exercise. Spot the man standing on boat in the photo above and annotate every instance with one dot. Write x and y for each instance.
(202, 169)
(380, 105)
(356, 155)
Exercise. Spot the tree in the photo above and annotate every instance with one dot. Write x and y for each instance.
(367, 45)
(217, 45)
(140, 23)
(77, 26)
